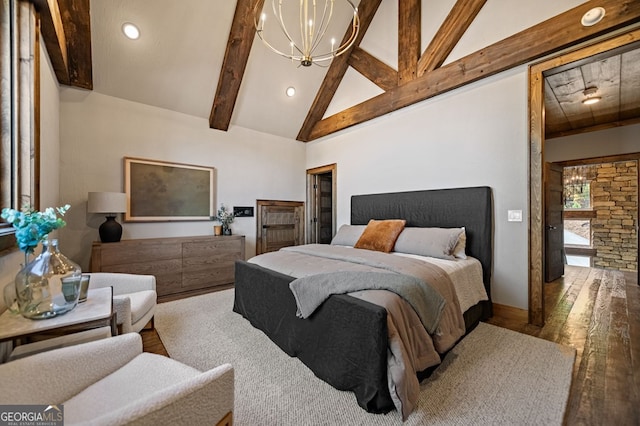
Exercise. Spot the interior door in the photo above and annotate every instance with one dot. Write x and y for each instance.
(554, 259)
(279, 224)
(321, 198)
(321, 204)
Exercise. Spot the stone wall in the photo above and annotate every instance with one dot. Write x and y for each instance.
(615, 199)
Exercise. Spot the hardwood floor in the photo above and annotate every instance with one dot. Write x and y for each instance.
(595, 311)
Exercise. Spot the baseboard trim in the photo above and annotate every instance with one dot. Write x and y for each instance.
(510, 312)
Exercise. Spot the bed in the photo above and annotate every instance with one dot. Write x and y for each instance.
(346, 341)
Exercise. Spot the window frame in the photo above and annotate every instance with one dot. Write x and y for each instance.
(19, 104)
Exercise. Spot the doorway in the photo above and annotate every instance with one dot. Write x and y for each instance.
(321, 204)
(536, 161)
(601, 211)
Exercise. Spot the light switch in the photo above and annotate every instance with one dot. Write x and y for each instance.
(514, 215)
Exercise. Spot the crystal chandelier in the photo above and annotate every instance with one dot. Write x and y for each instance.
(307, 43)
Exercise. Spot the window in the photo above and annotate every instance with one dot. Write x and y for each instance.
(577, 232)
(578, 213)
(577, 187)
(19, 125)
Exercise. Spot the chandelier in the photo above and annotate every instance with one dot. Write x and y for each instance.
(298, 33)
(576, 185)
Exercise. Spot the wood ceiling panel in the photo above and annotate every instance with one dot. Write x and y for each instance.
(630, 85)
(617, 77)
(567, 88)
(555, 121)
(605, 76)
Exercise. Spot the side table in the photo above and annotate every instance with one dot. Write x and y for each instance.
(96, 312)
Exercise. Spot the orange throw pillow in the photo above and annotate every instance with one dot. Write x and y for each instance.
(381, 235)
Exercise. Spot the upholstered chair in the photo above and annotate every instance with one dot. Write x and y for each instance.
(134, 298)
(112, 382)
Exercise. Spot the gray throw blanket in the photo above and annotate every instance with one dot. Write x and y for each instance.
(311, 291)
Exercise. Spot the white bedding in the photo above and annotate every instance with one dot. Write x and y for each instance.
(466, 275)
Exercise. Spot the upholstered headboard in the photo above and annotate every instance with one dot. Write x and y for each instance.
(443, 208)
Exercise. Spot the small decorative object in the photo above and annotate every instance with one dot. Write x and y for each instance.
(225, 217)
(109, 203)
(217, 230)
(84, 288)
(49, 285)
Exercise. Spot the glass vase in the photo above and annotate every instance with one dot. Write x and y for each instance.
(49, 285)
(226, 229)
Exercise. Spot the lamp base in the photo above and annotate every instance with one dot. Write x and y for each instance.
(110, 231)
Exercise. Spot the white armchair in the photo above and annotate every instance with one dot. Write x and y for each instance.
(134, 298)
(111, 381)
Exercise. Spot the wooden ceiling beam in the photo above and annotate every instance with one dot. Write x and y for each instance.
(53, 37)
(408, 39)
(235, 61)
(76, 19)
(381, 74)
(451, 31)
(366, 11)
(66, 31)
(548, 37)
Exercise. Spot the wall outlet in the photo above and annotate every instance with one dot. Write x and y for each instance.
(514, 215)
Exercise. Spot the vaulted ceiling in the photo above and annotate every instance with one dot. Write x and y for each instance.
(198, 57)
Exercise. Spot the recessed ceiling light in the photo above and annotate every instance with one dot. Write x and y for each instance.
(130, 31)
(593, 16)
(291, 91)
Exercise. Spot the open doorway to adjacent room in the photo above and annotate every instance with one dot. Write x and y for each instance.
(558, 88)
(321, 204)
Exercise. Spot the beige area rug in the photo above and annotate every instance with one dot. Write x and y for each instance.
(493, 376)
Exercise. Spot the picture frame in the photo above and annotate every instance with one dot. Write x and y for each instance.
(161, 191)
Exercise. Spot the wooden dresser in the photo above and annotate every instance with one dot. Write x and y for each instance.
(183, 266)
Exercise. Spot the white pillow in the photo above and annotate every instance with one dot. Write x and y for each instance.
(432, 242)
(459, 251)
(348, 235)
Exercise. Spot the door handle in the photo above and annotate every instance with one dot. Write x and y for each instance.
(551, 228)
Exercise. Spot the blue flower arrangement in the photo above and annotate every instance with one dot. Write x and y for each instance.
(33, 226)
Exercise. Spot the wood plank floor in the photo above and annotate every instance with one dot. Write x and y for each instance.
(598, 313)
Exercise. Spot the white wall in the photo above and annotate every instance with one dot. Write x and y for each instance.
(617, 140)
(474, 136)
(97, 131)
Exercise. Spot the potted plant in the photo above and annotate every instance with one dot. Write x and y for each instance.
(225, 217)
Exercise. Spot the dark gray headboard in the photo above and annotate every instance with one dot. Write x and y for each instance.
(443, 208)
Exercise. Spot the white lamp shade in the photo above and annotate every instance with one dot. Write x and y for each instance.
(107, 202)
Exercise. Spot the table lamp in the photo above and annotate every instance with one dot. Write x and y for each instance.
(109, 203)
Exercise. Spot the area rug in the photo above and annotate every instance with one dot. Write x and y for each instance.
(493, 376)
